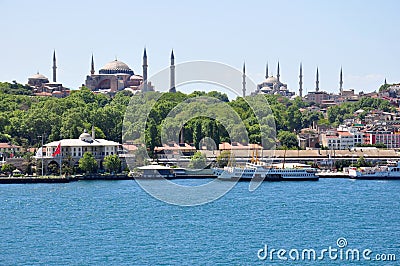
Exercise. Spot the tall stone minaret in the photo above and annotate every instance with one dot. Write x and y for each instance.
(278, 74)
(92, 66)
(172, 72)
(341, 82)
(266, 71)
(54, 67)
(301, 81)
(244, 79)
(145, 70)
(317, 81)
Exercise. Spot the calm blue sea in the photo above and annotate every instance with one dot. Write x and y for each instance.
(117, 223)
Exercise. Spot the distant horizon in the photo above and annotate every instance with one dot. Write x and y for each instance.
(359, 36)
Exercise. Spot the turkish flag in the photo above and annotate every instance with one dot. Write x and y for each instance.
(57, 151)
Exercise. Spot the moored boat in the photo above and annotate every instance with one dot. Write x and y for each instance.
(386, 172)
(274, 172)
(155, 171)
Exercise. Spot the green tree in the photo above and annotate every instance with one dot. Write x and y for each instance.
(361, 162)
(288, 139)
(152, 137)
(225, 158)
(87, 163)
(141, 156)
(198, 161)
(7, 168)
(384, 87)
(112, 163)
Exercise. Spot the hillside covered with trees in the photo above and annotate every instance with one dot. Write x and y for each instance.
(23, 118)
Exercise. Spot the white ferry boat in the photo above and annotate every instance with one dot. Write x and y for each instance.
(386, 172)
(273, 172)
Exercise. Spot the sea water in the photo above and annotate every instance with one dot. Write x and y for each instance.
(118, 223)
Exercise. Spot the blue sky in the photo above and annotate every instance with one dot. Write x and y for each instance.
(361, 36)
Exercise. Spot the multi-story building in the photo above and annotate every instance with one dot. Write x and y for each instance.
(74, 149)
(343, 138)
(389, 139)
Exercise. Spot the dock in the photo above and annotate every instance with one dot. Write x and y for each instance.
(35, 179)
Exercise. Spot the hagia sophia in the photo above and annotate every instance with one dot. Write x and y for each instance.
(117, 75)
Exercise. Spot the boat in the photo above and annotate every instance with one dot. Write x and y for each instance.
(391, 171)
(272, 172)
(155, 171)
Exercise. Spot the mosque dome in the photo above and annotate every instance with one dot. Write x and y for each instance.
(271, 79)
(38, 76)
(136, 77)
(283, 88)
(116, 67)
(86, 137)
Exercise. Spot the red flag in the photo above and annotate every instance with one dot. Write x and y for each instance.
(57, 151)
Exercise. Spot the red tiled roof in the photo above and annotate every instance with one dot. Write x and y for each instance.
(6, 145)
(344, 133)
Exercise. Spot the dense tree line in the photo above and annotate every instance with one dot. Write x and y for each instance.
(23, 118)
(338, 113)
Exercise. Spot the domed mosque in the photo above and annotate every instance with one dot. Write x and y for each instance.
(116, 76)
(273, 85)
(41, 86)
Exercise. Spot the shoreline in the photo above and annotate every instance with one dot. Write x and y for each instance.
(58, 179)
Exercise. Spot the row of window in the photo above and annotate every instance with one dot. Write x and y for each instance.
(80, 154)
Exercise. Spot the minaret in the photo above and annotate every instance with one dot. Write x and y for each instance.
(172, 72)
(317, 82)
(277, 73)
(341, 82)
(301, 81)
(92, 66)
(54, 67)
(385, 81)
(244, 80)
(144, 70)
(266, 71)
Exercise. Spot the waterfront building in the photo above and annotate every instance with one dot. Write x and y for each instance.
(388, 138)
(172, 150)
(73, 149)
(343, 138)
(9, 150)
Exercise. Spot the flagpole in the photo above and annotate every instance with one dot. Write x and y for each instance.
(60, 162)
(60, 157)
(42, 155)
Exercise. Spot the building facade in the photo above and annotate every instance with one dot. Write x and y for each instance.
(74, 149)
